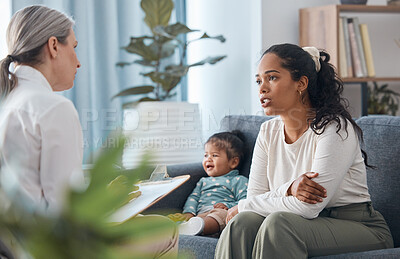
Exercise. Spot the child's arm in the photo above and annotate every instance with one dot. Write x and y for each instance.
(241, 188)
(239, 191)
(193, 199)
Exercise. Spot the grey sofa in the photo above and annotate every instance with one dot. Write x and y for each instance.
(382, 144)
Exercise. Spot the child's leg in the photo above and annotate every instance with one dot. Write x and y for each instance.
(214, 221)
(211, 226)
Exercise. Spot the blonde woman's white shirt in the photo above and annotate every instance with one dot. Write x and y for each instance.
(40, 139)
(337, 159)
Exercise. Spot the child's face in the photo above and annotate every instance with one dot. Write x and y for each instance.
(216, 162)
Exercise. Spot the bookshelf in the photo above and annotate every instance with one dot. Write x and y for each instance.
(319, 27)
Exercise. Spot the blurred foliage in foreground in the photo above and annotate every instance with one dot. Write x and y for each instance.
(82, 229)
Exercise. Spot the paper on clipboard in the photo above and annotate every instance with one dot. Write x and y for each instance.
(152, 192)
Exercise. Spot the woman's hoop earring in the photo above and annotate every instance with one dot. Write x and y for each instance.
(301, 98)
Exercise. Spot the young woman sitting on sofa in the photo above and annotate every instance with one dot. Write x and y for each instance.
(307, 193)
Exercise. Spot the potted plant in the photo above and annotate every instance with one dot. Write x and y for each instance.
(382, 100)
(155, 49)
(165, 127)
(83, 228)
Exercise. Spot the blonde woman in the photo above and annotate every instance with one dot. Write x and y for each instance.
(40, 132)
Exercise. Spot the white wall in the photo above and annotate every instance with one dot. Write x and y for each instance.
(224, 88)
(250, 27)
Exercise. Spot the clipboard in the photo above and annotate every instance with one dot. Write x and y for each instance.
(151, 193)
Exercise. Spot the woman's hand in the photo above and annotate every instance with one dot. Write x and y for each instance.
(220, 206)
(120, 184)
(231, 213)
(305, 189)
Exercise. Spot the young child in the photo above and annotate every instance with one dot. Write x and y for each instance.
(206, 208)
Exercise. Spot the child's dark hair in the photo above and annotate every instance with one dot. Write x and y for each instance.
(232, 142)
(324, 87)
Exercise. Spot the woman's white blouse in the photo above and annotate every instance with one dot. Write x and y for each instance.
(336, 157)
(40, 139)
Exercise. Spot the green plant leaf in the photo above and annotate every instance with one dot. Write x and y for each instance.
(137, 46)
(177, 70)
(147, 99)
(163, 49)
(158, 12)
(218, 37)
(383, 87)
(172, 81)
(177, 28)
(166, 80)
(392, 92)
(140, 227)
(382, 100)
(122, 64)
(94, 204)
(145, 89)
(146, 63)
(83, 230)
(159, 30)
(209, 60)
(139, 230)
(385, 98)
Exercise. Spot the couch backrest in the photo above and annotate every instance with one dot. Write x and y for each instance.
(249, 126)
(382, 144)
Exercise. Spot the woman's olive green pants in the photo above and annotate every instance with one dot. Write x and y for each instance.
(351, 228)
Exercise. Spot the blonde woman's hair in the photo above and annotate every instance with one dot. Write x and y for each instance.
(28, 31)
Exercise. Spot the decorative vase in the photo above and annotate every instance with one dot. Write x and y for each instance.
(171, 131)
(353, 1)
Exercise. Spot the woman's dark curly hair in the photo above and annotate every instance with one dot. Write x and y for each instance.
(324, 88)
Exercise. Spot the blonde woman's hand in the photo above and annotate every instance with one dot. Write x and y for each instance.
(307, 190)
(120, 183)
(231, 213)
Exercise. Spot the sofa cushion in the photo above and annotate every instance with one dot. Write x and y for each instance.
(204, 248)
(381, 137)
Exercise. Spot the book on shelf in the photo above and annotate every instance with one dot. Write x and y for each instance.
(347, 47)
(355, 54)
(342, 51)
(356, 24)
(355, 57)
(367, 50)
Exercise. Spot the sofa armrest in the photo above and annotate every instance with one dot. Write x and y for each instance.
(175, 200)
